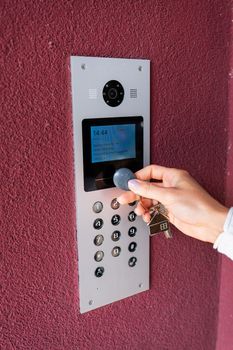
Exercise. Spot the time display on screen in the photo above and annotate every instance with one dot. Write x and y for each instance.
(112, 142)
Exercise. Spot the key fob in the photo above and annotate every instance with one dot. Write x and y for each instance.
(121, 178)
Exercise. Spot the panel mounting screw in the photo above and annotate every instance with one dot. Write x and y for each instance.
(83, 66)
(90, 302)
(140, 68)
(140, 285)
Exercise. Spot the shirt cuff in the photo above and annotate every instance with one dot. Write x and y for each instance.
(224, 242)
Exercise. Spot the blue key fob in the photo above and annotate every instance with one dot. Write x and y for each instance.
(121, 178)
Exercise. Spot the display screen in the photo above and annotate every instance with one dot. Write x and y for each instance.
(113, 142)
(110, 143)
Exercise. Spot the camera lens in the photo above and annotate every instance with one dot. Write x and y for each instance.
(113, 93)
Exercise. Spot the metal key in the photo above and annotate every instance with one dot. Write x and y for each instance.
(159, 221)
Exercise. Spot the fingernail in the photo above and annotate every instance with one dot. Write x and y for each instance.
(134, 185)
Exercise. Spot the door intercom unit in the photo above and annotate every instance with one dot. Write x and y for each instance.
(111, 122)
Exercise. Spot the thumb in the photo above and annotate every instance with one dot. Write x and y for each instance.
(148, 190)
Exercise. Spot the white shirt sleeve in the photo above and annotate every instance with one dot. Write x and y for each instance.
(224, 242)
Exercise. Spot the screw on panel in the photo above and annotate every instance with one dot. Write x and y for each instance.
(90, 302)
(140, 68)
(140, 285)
(83, 66)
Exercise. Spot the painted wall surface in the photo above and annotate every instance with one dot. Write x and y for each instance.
(186, 42)
(225, 322)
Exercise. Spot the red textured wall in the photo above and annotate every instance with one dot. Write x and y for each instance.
(186, 42)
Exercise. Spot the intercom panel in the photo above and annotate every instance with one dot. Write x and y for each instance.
(111, 122)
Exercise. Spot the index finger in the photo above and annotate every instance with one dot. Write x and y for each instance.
(154, 171)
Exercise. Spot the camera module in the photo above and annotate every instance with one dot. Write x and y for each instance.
(113, 93)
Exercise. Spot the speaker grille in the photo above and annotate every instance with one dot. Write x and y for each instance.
(92, 93)
(133, 93)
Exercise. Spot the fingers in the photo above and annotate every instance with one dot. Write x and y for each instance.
(152, 172)
(149, 190)
(145, 202)
(127, 197)
(140, 209)
(146, 217)
(169, 176)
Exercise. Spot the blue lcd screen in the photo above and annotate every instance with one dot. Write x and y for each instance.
(112, 142)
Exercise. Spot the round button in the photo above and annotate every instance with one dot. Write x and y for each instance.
(116, 236)
(132, 261)
(132, 216)
(132, 231)
(116, 251)
(132, 247)
(99, 255)
(99, 271)
(98, 240)
(116, 219)
(132, 203)
(115, 204)
(97, 207)
(98, 224)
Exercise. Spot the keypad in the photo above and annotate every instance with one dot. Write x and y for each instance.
(116, 219)
(116, 251)
(132, 261)
(132, 247)
(116, 236)
(97, 207)
(132, 231)
(98, 224)
(132, 216)
(99, 271)
(99, 255)
(115, 204)
(98, 240)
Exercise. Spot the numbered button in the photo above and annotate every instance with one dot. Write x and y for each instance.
(132, 216)
(99, 255)
(97, 207)
(116, 236)
(132, 203)
(132, 261)
(116, 251)
(115, 204)
(98, 224)
(132, 231)
(116, 219)
(98, 240)
(99, 271)
(132, 247)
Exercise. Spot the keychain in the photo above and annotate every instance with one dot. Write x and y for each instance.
(159, 221)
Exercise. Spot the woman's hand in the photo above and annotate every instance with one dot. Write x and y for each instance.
(190, 208)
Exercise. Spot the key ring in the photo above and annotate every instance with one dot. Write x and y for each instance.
(159, 208)
(159, 220)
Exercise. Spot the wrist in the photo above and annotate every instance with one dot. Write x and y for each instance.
(219, 218)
